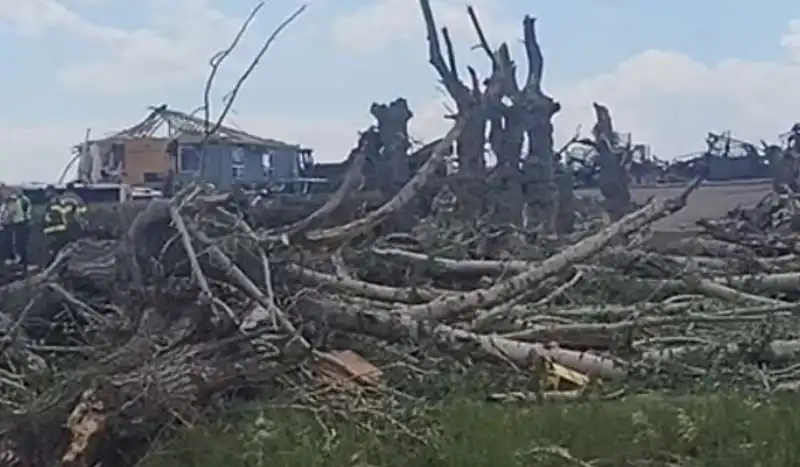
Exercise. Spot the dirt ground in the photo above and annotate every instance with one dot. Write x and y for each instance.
(709, 201)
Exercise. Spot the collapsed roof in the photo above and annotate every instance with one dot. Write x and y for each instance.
(188, 128)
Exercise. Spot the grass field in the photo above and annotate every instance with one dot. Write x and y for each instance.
(710, 431)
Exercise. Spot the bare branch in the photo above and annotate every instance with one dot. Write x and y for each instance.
(217, 60)
(451, 53)
(534, 54)
(237, 87)
(504, 60)
(476, 82)
(483, 43)
(434, 48)
(457, 90)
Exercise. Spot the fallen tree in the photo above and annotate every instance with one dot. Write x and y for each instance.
(219, 304)
(184, 308)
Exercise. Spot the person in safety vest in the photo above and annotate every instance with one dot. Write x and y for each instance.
(6, 239)
(63, 220)
(19, 224)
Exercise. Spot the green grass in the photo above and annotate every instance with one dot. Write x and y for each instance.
(710, 431)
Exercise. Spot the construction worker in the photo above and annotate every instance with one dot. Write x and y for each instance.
(19, 224)
(63, 220)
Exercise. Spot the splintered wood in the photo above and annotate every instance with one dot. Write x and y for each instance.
(86, 425)
(170, 312)
(346, 369)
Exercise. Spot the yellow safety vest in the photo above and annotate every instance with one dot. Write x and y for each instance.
(20, 209)
(61, 214)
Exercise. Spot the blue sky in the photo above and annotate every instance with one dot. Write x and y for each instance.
(670, 71)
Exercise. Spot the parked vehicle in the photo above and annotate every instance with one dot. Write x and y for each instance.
(94, 193)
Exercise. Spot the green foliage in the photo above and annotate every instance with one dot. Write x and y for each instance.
(662, 430)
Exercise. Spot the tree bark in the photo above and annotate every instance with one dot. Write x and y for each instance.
(565, 213)
(613, 178)
(394, 165)
(506, 136)
(470, 144)
(538, 112)
(387, 325)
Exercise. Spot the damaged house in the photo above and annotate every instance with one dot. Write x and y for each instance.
(140, 156)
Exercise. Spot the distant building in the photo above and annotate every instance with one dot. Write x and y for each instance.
(138, 157)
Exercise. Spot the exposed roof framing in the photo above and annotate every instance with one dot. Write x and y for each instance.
(186, 127)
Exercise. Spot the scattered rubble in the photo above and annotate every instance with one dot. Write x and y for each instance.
(184, 306)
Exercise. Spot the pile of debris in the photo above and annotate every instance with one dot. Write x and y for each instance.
(185, 306)
(167, 324)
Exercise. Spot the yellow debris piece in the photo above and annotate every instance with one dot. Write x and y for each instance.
(561, 378)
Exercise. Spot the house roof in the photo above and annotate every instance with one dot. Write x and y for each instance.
(188, 128)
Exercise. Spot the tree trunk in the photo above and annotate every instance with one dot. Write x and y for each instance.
(539, 168)
(538, 112)
(469, 102)
(506, 136)
(613, 178)
(393, 130)
(565, 219)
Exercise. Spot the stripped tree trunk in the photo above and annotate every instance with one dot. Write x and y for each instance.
(538, 112)
(612, 159)
(565, 213)
(470, 146)
(394, 164)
